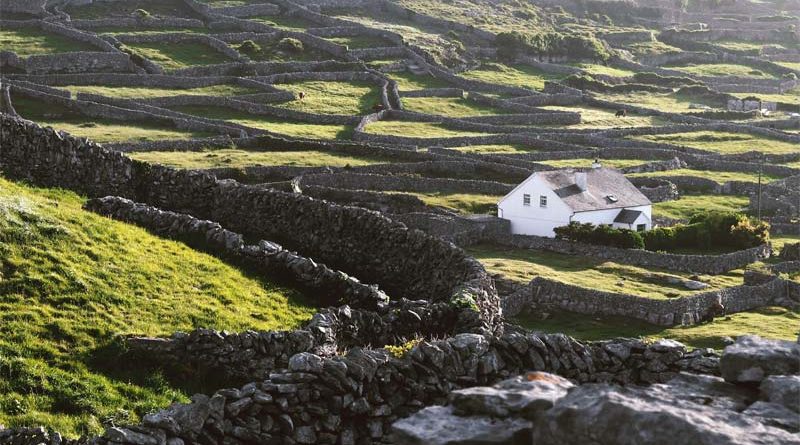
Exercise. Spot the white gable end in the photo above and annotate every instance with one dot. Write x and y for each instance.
(537, 217)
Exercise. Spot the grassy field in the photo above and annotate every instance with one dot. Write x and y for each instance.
(719, 177)
(494, 149)
(416, 129)
(722, 69)
(517, 75)
(360, 42)
(688, 205)
(448, 106)
(99, 130)
(330, 97)
(723, 142)
(768, 322)
(407, 81)
(523, 265)
(148, 92)
(285, 22)
(603, 118)
(297, 129)
(593, 68)
(73, 281)
(240, 158)
(179, 55)
(33, 41)
(778, 241)
(585, 162)
(462, 203)
(670, 102)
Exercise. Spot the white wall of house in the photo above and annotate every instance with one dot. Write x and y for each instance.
(534, 219)
(607, 216)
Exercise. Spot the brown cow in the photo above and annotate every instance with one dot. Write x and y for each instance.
(622, 113)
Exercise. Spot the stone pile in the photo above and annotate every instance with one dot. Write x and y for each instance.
(756, 402)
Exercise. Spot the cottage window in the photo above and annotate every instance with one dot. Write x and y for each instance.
(526, 200)
(641, 227)
(542, 201)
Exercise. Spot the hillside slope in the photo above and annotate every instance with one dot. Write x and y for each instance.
(70, 281)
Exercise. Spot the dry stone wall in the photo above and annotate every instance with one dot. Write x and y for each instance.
(403, 262)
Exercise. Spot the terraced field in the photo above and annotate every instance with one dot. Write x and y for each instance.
(374, 140)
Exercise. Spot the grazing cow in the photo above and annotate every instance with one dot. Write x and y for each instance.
(301, 95)
(378, 108)
(622, 113)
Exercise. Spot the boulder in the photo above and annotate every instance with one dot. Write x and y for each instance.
(604, 414)
(525, 396)
(751, 359)
(439, 425)
(783, 390)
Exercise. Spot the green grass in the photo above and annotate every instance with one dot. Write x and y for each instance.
(670, 102)
(494, 17)
(149, 92)
(722, 69)
(494, 149)
(790, 97)
(448, 106)
(688, 205)
(72, 281)
(517, 75)
(719, 177)
(179, 55)
(778, 241)
(724, 143)
(407, 81)
(522, 265)
(416, 129)
(593, 68)
(462, 202)
(32, 41)
(296, 129)
(285, 22)
(360, 42)
(585, 162)
(240, 158)
(331, 97)
(592, 117)
(99, 130)
(768, 322)
(791, 65)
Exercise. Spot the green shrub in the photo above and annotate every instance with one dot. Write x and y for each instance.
(291, 44)
(575, 46)
(249, 47)
(709, 230)
(600, 235)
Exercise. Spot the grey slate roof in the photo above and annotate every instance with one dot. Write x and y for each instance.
(627, 216)
(607, 189)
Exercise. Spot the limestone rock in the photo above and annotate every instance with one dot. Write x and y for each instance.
(438, 425)
(784, 390)
(526, 396)
(752, 359)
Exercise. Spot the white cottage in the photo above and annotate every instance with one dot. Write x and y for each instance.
(598, 195)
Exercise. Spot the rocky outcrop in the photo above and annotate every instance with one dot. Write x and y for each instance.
(544, 409)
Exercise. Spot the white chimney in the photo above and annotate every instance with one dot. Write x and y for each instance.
(581, 181)
(596, 164)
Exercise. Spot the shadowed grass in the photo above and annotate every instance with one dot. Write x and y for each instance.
(71, 281)
(268, 123)
(32, 41)
(724, 143)
(241, 158)
(99, 130)
(719, 177)
(768, 322)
